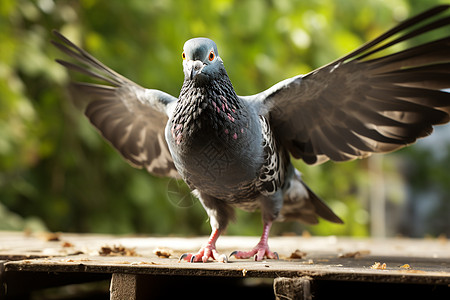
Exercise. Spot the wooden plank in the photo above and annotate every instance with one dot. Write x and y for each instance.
(123, 287)
(20, 246)
(318, 267)
(297, 288)
(15, 245)
(2, 279)
(327, 258)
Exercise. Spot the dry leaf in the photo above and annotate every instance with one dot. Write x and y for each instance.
(51, 236)
(355, 254)
(163, 252)
(378, 266)
(66, 245)
(117, 251)
(297, 254)
(406, 266)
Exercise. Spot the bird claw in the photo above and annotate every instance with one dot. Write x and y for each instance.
(184, 256)
(187, 257)
(201, 257)
(277, 256)
(233, 253)
(256, 253)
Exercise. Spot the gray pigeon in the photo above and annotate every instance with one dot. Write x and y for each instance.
(235, 151)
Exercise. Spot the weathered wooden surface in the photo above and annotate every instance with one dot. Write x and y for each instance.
(429, 260)
(408, 261)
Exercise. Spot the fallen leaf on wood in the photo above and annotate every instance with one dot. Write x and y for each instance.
(163, 252)
(355, 254)
(406, 266)
(378, 266)
(117, 251)
(66, 245)
(297, 254)
(50, 236)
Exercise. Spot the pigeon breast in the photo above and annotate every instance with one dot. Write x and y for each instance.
(215, 140)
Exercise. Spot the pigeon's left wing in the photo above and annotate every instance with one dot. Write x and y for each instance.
(365, 102)
(130, 117)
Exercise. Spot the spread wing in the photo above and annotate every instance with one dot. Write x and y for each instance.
(129, 116)
(365, 102)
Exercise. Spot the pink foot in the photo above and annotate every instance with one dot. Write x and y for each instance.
(206, 252)
(261, 250)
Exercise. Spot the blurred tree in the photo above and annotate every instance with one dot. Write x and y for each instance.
(57, 173)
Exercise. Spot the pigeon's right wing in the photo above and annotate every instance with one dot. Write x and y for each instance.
(130, 117)
(365, 102)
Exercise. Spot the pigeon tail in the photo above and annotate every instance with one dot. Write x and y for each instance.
(302, 204)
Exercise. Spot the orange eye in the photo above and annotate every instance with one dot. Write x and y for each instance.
(211, 56)
(183, 55)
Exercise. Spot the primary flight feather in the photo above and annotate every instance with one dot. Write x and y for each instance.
(235, 151)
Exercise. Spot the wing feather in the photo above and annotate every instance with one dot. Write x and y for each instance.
(367, 101)
(130, 117)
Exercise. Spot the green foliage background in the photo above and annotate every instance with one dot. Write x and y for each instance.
(56, 173)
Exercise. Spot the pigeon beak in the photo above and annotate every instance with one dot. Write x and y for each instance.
(194, 67)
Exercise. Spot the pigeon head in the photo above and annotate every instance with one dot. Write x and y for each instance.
(201, 61)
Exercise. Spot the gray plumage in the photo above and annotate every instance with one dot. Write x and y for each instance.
(234, 151)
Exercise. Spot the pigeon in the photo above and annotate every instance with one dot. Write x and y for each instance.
(235, 151)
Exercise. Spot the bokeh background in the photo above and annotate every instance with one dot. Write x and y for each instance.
(57, 174)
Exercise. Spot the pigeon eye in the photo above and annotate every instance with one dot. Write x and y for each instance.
(183, 56)
(211, 56)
